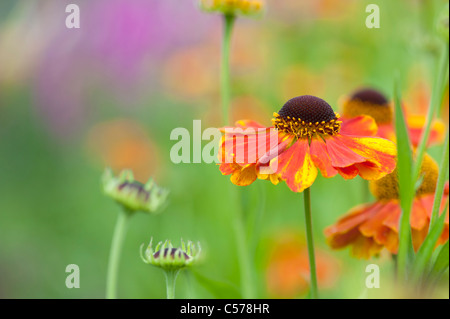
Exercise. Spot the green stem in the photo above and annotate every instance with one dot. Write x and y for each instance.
(245, 267)
(310, 241)
(225, 68)
(436, 100)
(171, 277)
(114, 255)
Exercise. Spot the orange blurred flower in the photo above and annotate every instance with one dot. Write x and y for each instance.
(370, 102)
(369, 228)
(182, 65)
(123, 144)
(287, 272)
(309, 136)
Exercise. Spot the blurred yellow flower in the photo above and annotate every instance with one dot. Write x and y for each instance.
(233, 7)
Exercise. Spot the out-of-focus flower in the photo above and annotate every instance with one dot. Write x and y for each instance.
(309, 136)
(19, 59)
(183, 64)
(369, 228)
(125, 144)
(287, 272)
(233, 7)
(371, 102)
(167, 257)
(301, 12)
(133, 195)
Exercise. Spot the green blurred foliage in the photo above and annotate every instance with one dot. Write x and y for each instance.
(53, 213)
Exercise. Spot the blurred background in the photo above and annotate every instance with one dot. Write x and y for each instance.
(73, 101)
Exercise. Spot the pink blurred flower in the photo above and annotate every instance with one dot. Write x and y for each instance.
(117, 49)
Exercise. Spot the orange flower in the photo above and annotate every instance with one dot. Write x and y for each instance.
(371, 102)
(287, 273)
(369, 228)
(123, 143)
(307, 136)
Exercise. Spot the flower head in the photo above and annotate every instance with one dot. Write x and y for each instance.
(307, 136)
(170, 258)
(369, 228)
(233, 7)
(131, 194)
(368, 101)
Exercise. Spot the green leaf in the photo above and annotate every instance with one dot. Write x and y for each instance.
(406, 184)
(425, 252)
(439, 192)
(442, 261)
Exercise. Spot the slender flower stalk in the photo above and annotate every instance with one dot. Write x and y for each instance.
(245, 267)
(225, 67)
(310, 241)
(171, 277)
(114, 256)
(171, 260)
(132, 196)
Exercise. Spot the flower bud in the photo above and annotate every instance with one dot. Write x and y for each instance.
(133, 195)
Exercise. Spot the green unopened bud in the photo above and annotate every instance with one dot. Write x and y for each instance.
(133, 195)
(442, 23)
(168, 257)
(233, 7)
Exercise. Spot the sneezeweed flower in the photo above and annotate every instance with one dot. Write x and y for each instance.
(133, 196)
(171, 259)
(368, 101)
(233, 7)
(307, 136)
(310, 137)
(369, 228)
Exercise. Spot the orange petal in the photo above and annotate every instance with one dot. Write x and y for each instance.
(321, 158)
(387, 131)
(229, 168)
(393, 220)
(362, 125)
(340, 154)
(245, 176)
(418, 236)
(248, 123)
(419, 216)
(375, 228)
(365, 247)
(380, 152)
(296, 167)
(346, 229)
(348, 172)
